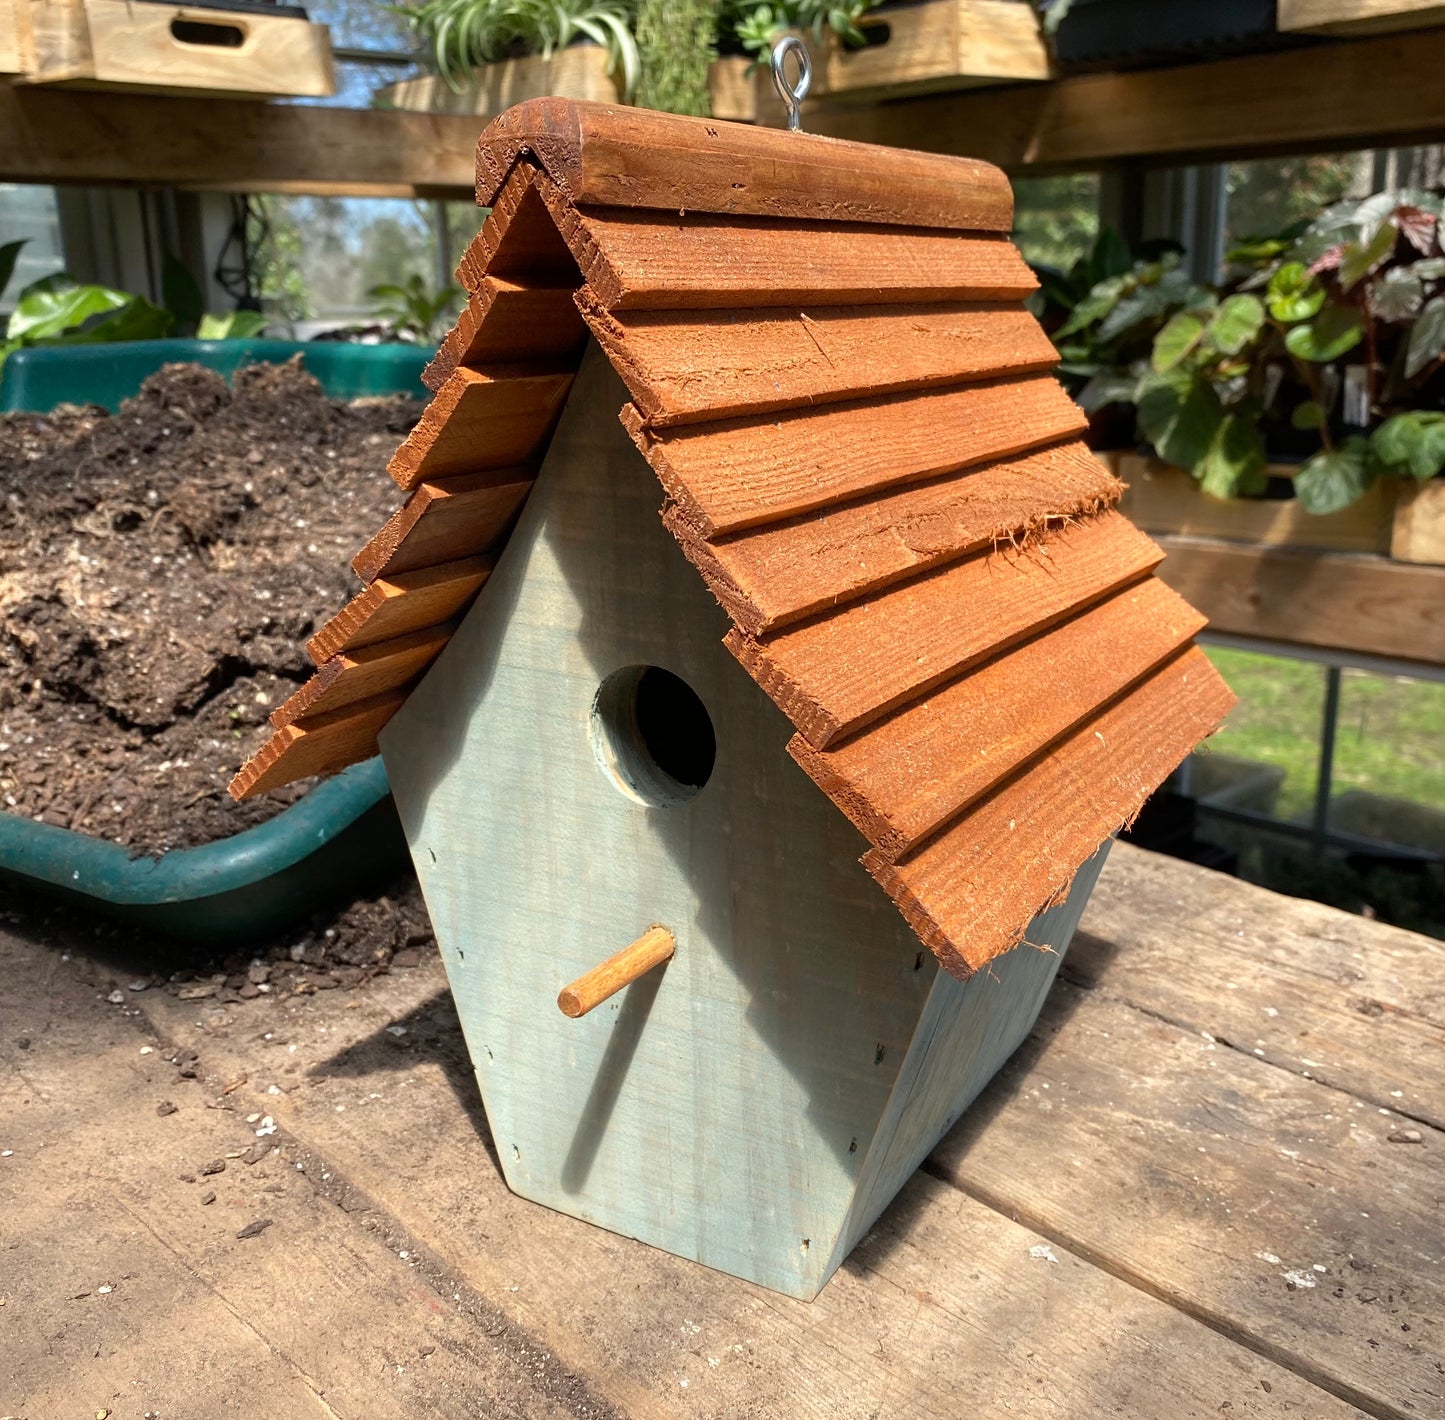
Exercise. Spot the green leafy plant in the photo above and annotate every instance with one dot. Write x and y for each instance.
(747, 27)
(1336, 331)
(58, 310)
(411, 311)
(461, 35)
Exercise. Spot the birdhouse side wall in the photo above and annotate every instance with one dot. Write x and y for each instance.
(723, 1106)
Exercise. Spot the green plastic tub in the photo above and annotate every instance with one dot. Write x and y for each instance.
(344, 836)
(39, 378)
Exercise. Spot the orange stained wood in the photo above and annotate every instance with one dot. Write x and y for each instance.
(318, 744)
(834, 675)
(650, 261)
(654, 947)
(683, 367)
(903, 778)
(519, 241)
(480, 420)
(970, 892)
(600, 155)
(779, 574)
(364, 672)
(444, 520)
(742, 473)
(504, 321)
(394, 606)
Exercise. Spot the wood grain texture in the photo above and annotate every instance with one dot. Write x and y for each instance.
(319, 744)
(742, 473)
(970, 892)
(681, 367)
(654, 947)
(1264, 1204)
(1355, 1005)
(505, 321)
(1333, 599)
(364, 672)
(1418, 531)
(648, 261)
(444, 520)
(777, 575)
(1164, 499)
(833, 676)
(479, 421)
(904, 778)
(1358, 17)
(519, 241)
(605, 156)
(394, 606)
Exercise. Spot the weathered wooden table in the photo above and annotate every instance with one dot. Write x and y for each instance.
(1209, 1185)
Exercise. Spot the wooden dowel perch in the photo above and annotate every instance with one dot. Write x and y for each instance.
(592, 988)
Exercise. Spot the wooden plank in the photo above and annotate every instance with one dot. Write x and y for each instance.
(1333, 599)
(778, 575)
(364, 672)
(1352, 1003)
(321, 744)
(504, 321)
(444, 520)
(945, 1298)
(1272, 1208)
(1361, 93)
(574, 72)
(684, 368)
(108, 43)
(1357, 17)
(1357, 93)
(1418, 531)
(481, 420)
(519, 241)
(833, 676)
(606, 156)
(903, 779)
(1161, 498)
(394, 606)
(970, 892)
(742, 473)
(648, 261)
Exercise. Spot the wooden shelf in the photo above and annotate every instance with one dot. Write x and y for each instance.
(1337, 600)
(1350, 93)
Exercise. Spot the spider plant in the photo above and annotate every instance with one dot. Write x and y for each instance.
(463, 34)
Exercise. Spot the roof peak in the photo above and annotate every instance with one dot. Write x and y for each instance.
(613, 156)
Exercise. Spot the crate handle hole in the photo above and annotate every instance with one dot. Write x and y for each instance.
(877, 34)
(207, 34)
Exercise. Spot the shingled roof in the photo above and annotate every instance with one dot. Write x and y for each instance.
(864, 456)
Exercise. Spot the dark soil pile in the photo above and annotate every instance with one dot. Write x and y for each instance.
(160, 570)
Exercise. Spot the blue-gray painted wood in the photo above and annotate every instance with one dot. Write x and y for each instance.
(732, 1106)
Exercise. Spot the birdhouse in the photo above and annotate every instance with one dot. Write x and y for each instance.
(889, 612)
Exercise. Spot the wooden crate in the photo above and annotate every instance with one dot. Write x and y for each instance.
(577, 72)
(112, 44)
(1357, 17)
(9, 39)
(1418, 534)
(912, 49)
(1164, 499)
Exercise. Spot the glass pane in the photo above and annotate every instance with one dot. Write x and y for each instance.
(29, 213)
(1056, 218)
(1266, 758)
(1388, 780)
(1269, 194)
(321, 255)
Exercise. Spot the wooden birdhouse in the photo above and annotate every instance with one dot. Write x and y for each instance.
(889, 610)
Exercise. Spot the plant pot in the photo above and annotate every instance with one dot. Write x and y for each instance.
(39, 378)
(1164, 499)
(263, 51)
(577, 72)
(1124, 32)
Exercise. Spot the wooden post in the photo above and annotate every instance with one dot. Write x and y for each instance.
(592, 988)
